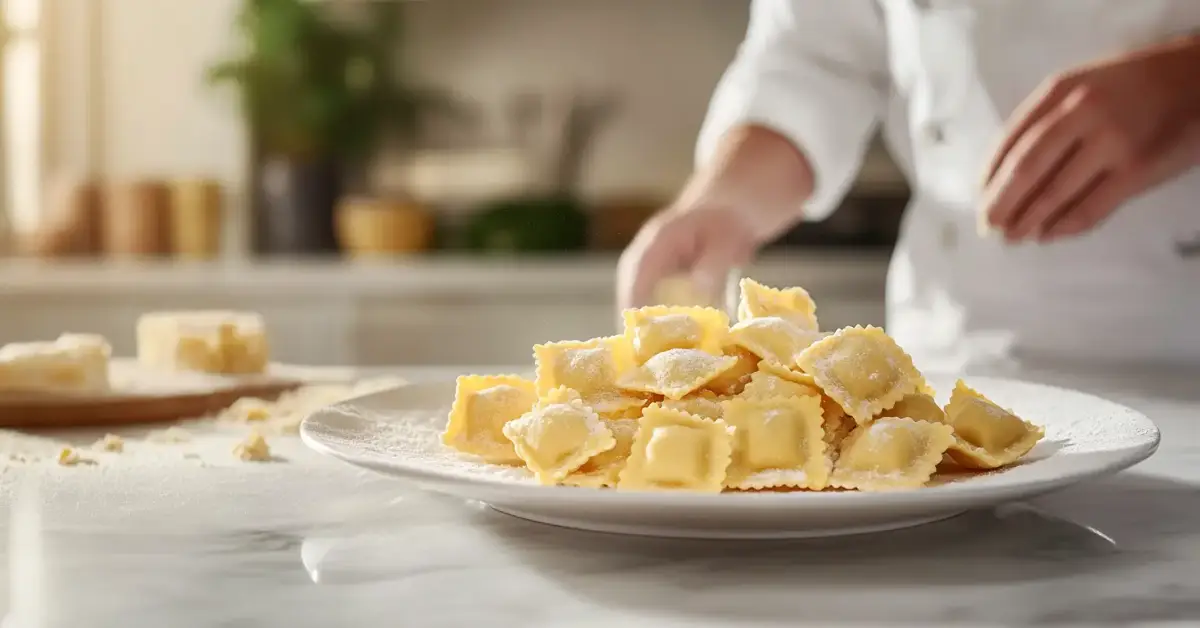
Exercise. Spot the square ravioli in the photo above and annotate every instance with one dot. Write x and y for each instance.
(675, 450)
(676, 372)
(652, 330)
(792, 304)
(732, 382)
(483, 405)
(555, 439)
(777, 442)
(891, 454)
(772, 338)
(601, 470)
(986, 436)
(862, 369)
(589, 367)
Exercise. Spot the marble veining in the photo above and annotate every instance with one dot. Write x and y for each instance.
(315, 543)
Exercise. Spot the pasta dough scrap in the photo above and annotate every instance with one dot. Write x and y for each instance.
(558, 438)
(777, 442)
(702, 407)
(483, 404)
(891, 454)
(652, 330)
(589, 367)
(987, 436)
(676, 372)
(732, 382)
(764, 385)
(674, 450)
(772, 338)
(601, 470)
(919, 406)
(862, 369)
(792, 304)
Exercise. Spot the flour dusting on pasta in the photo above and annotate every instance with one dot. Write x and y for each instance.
(769, 402)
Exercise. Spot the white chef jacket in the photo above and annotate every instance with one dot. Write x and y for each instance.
(942, 76)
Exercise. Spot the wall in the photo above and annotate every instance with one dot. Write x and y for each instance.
(660, 58)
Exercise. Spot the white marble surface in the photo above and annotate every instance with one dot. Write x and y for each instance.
(175, 541)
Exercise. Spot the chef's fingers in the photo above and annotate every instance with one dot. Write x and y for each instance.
(1061, 192)
(721, 254)
(1094, 208)
(1041, 151)
(650, 257)
(1040, 103)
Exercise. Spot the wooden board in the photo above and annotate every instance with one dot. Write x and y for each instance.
(140, 397)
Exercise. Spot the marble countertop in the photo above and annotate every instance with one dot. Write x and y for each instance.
(195, 538)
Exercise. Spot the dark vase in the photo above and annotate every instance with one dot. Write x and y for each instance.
(298, 201)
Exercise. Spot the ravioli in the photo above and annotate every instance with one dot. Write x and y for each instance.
(773, 339)
(676, 372)
(675, 450)
(777, 442)
(792, 304)
(862, 369)
(557, 438)
(891, 454)
(483, 405)
(987, 436)
(653, 330)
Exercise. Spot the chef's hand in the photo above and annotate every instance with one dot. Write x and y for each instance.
(1093, 138)
(752, 189)
(702, 240)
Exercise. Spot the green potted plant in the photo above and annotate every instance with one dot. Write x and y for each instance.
(319, 95)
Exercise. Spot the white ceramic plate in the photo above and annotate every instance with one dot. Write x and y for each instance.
(397, 432)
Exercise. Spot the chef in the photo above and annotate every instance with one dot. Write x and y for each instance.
(1053, 148)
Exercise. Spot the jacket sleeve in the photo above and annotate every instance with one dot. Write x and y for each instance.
(814, 71)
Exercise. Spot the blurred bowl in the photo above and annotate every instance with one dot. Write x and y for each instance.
(369, 227)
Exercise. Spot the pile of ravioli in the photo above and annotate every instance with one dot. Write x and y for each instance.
(684, 401)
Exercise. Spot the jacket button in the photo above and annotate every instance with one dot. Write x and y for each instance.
(949, 236)
(935, 133)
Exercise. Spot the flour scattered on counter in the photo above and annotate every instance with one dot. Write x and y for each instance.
(284, 415)
(170, 435)
(110, 442)
(199, 442)
(253, 449)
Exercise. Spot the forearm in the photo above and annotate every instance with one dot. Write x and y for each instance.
(755, 169)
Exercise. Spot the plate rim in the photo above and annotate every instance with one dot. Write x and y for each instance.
(1117, 459)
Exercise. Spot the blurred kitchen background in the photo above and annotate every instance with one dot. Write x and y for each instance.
(388, 182)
